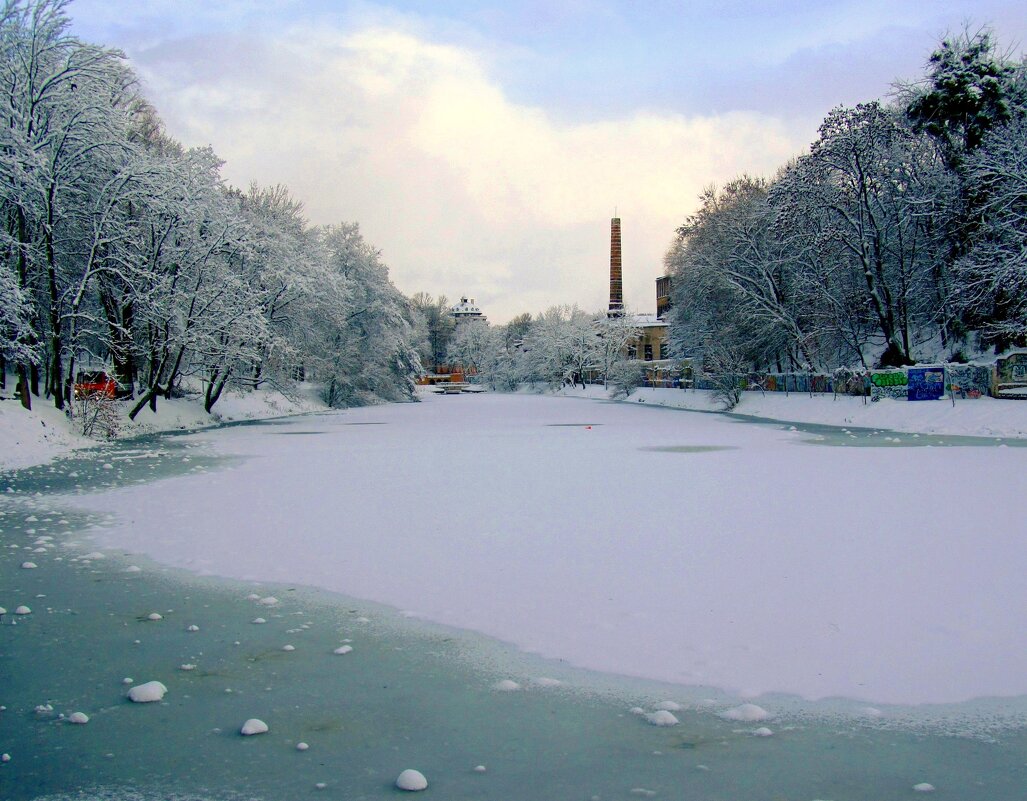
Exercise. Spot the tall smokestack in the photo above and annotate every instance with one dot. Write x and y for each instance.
(616, 289)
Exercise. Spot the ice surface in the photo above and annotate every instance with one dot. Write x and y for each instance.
(851, 572)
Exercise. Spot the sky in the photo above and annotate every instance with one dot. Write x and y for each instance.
(484, 146)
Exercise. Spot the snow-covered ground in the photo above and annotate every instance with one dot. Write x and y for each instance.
(36, 436)
(641, 541)
(983, 417)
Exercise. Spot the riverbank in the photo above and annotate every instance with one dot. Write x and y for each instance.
(44, 433)
(979, 417)
(36, 437)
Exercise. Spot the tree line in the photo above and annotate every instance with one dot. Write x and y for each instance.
(901, 233)
(122, 248)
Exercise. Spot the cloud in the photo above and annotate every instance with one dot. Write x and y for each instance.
(463, 189)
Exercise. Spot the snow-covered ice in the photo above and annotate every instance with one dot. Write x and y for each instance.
(766, 565)
(253, 726)
(746, 713)
(662, 717)
(412, 780)
(147, 693)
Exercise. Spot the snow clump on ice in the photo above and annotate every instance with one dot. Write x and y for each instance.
(253, 726)
(133, 569)
(507, 686)
(259, 620)
(479, 768)
(302, 746)
(343, 649)
(193, 628)
(78, 717)
(669, 706)
(147, 693)
(155, 616)
(924, 787)
(412, 780)
(662, 717)
(746, 713)
(29, 565)
(269, 601)
(23, 610)
(763, 731)
(288, 647)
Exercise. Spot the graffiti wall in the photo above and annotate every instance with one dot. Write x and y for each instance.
(969, 380)
(1012, 369)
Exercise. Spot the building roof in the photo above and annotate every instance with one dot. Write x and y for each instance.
(465, 308)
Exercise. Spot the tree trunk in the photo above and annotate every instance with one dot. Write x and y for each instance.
(23, 387)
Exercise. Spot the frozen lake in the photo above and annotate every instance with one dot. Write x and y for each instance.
(714, 561)
(674, 546)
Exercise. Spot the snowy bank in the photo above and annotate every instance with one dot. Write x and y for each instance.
(44, 433)
(980, 417)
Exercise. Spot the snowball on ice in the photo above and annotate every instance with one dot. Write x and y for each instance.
(78, 717)
(127, 680)
(746, 713)
(924, 787)
(288, 647)
(29, 565)
(155, 616)
(507, 686)
(662, 718)
(259, 620)
(302, 746)
(5, 757)
(147, 693)
(412, 780)
(23, 610)
(343, 649)
(253, 726)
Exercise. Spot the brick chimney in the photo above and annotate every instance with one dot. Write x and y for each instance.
(616, 288)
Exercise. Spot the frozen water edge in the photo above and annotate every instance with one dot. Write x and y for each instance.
(588, 711)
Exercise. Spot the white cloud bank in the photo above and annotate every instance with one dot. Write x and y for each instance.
(464, 190)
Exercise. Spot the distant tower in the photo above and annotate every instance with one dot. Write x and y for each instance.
(616, 288)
